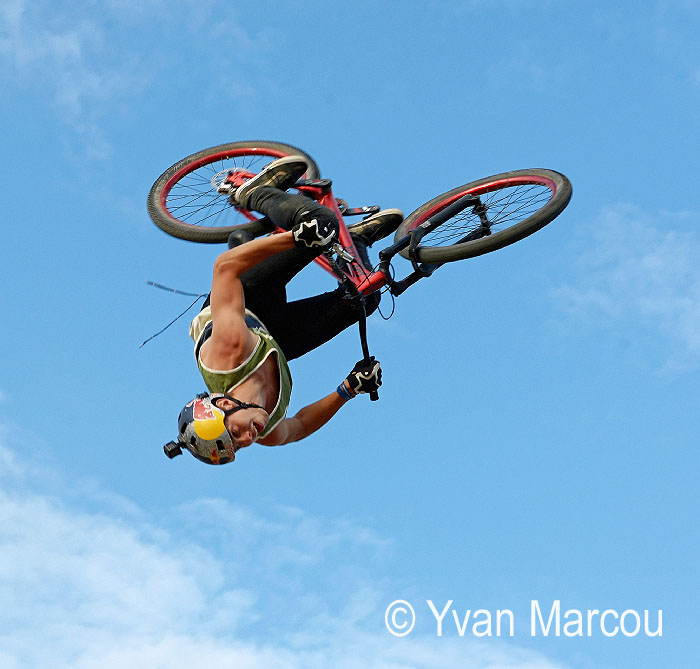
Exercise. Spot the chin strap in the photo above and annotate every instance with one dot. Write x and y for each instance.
(240, 405)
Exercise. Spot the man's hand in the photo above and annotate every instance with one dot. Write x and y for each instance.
(366, 377)
(313, 233)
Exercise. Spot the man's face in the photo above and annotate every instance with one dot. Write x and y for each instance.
(244, 425)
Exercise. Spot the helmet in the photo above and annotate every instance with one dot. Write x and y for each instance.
(202, 432)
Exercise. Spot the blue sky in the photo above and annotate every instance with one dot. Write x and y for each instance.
(536, 436)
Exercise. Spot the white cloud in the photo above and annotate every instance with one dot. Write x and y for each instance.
(10, 467)
(68, 61)
(641, 269)
(87, 61)
(222, 587)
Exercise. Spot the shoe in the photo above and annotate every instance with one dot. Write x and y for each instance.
(281, 174)
(376, 227)
(372, 229)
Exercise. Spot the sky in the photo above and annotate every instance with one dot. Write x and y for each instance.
(536, 435)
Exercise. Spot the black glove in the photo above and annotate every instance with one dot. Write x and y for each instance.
(366, 376)
(313, 233)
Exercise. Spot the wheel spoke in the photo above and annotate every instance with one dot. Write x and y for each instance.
(194, 195)
(194, 201)
(504, 207)
(204, 218)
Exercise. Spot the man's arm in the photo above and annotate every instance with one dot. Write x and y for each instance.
(365, 377)
(245, 256)
(305, 422)
(231, 341)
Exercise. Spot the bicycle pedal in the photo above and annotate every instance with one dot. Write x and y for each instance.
(359, 211)
(342, 253)
(323, 184)
(226, 188)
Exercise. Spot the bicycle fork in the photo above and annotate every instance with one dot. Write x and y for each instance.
(412, 240)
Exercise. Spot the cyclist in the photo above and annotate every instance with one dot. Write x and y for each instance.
(247, 330)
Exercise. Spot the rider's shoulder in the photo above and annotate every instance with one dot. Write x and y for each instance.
(227, 349)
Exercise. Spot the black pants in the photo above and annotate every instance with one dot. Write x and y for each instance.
(302, 325)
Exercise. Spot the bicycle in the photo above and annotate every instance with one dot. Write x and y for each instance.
(191, 200)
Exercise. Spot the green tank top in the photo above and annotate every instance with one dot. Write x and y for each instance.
(226, 381)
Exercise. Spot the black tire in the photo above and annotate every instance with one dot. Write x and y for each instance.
(517, 204)
(183, 202)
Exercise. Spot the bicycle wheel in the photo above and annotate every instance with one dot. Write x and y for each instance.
(513, 206)
(184, 200)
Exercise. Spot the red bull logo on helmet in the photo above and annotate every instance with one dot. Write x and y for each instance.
(202, 411)
(208, 421)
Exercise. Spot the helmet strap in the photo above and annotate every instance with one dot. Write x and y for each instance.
(240, 405)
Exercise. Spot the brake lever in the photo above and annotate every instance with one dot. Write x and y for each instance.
(341, 252)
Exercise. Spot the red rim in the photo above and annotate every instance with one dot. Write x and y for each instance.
(206, 160)
(488, 187)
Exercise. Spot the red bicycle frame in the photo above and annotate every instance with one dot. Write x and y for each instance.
(320, 191)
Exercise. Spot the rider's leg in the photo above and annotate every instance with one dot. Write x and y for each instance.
(265, 284)
(302, 325)
(286, 210)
